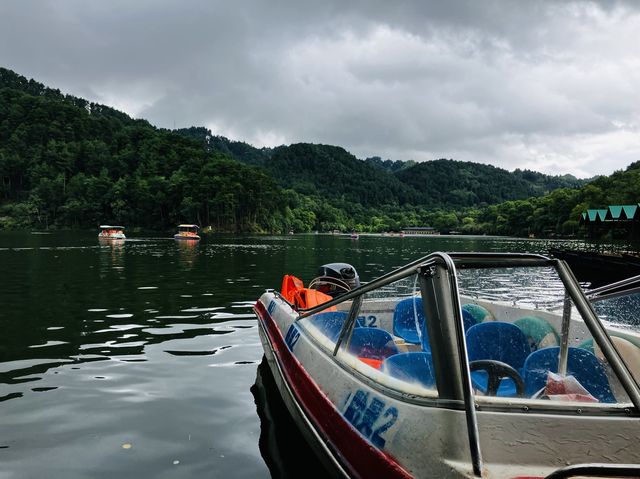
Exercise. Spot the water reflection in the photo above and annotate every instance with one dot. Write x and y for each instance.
(188, 252)
(284, 449)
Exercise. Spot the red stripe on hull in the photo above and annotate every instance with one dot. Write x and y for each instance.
(356, 454)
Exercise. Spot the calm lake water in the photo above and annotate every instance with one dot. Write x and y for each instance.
(139, 358)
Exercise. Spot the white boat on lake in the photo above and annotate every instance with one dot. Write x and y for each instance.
(443, 368)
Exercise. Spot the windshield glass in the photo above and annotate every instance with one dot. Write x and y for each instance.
(620, 315)
(387, 342)
(516, 320)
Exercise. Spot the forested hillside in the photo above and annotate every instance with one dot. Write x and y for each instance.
(332, 172)
(70, 162)
(558, 212)
(389, 165)
(67, 162)
(376, 182)
(460, 184)
(237, 150)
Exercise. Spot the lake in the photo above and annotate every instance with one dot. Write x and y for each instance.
(139, 358)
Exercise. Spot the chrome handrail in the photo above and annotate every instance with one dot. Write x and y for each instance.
(612, 290)
(596, 470)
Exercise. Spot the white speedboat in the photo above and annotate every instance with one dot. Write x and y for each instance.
(447, 368)
(111, 232)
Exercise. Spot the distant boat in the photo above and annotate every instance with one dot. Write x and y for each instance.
(111, 232)
(187, 232)
(354, 235)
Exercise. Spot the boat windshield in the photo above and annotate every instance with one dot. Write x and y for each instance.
(518, 330)
(526, 338)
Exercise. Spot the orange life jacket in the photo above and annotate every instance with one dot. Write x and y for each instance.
(293, 290)
(306, 298)
(290, 286)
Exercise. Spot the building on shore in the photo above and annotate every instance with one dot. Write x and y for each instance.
(419, 230)
(621, 221)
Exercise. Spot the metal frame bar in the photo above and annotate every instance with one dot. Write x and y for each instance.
(619, 288)
(597, 470)
(564, 335)
(461, 261)
(465, 375)
(349, 324)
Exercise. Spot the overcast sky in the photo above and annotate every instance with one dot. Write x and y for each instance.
(549, 86)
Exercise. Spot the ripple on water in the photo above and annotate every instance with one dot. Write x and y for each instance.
(48, 343)
(120, 316)
(242, 304)
(119, 327)
(200, 310)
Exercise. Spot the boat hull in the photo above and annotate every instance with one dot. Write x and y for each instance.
(186, 237)
(117, 236)
(339, 446)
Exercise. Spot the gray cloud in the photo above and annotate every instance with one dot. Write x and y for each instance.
(550, 86)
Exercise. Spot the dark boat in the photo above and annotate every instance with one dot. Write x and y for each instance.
(598, 269)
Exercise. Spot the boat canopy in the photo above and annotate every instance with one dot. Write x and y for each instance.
(189, 226)
(109, 227)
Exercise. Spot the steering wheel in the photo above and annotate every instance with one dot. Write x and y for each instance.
(497, 370)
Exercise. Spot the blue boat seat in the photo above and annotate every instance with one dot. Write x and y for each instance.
(411, 367)
(331, 323)
(477, 312)
(538, 331)
(497, 341)
(581, 364)
(468, 320)
(404, 322)
(373, 343)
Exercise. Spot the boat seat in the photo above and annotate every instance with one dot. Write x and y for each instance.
(415, 367)
(498, 341)
(373, 343)
(538, 331)
(477, 312)
(581, 364)
(330, 323)
(468, 320)
(404, 322)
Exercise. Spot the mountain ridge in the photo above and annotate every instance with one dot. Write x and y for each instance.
(65, 161)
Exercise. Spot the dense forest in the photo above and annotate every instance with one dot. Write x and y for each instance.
(68, 162)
